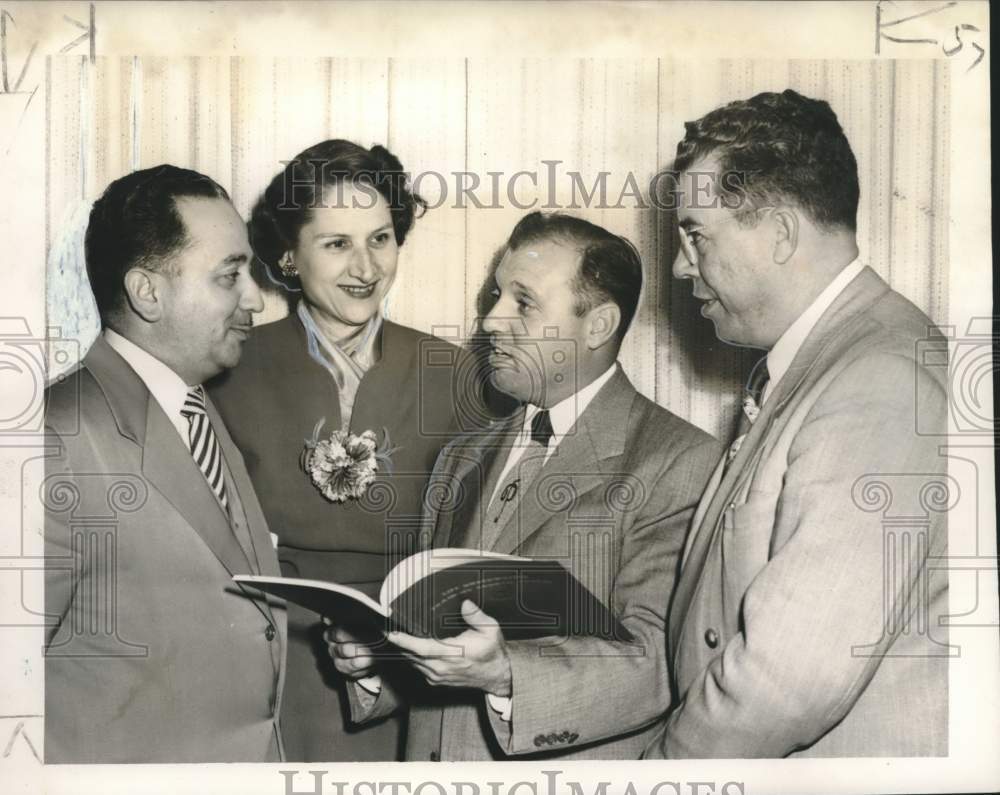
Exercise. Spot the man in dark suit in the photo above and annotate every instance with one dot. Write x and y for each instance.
(803, 623)
(588, 472)
(153, 654)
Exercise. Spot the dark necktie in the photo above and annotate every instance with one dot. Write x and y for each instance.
(204, 444)
(541, 428)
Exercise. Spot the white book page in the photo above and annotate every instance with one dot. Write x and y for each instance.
(255, 579)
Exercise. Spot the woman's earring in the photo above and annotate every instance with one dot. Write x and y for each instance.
(286, 266)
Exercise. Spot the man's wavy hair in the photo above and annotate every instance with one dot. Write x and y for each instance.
(778, 149)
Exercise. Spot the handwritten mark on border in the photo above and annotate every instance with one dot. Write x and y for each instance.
(921, 37)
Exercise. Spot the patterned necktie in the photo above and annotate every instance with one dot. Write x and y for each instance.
(751, 406)
(204, 444)
(517, 479)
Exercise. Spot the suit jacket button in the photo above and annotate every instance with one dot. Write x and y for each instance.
(711, 638)
(539, 740)
(269, 633)
(434, 756)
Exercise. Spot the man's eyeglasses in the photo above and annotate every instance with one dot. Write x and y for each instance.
(687, 241)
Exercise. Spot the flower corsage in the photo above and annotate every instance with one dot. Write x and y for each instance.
(344, 465)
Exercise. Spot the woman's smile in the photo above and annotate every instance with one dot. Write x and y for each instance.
(359, 291)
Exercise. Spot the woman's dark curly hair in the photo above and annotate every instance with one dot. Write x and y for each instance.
(287, 204)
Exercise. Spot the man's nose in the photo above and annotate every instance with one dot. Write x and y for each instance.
(682, 268)
(492, 324)
(251, 299)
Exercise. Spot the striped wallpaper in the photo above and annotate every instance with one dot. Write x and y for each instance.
(236, 119)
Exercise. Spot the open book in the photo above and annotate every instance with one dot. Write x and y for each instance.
(423, 594)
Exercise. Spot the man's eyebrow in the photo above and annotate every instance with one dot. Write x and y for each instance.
(688, 223)
(235, 259)
(523, 288)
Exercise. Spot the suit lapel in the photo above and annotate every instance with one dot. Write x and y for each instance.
(377, 404)
(476, 471)
(576, 466)
(706, 525)
(287, 357)
(241, 490)
(124, 391)
(866, 288)
(855, 298)
(859, 294)
(166, 462)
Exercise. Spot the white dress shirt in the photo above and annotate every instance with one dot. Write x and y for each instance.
(167, 388)
(780, 357)
(562, 416)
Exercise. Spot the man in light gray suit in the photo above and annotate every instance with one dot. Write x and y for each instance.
(587, 471)
(801, 624)
(152, 653)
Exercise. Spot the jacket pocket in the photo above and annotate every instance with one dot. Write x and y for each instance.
(746, 539)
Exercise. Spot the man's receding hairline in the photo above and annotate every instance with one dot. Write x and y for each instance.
(188, 239)
(564, 240)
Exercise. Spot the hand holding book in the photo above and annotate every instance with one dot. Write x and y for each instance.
(351, 656)
(422, 596)
(476, 658)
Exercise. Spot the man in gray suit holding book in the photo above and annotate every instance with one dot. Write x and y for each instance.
(588, 472)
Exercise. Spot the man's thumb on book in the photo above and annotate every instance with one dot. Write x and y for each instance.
(475, 617)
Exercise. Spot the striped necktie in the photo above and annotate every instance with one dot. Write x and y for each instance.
(204, 444)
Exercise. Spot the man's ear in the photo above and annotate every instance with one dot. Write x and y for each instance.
(144, 292)
(602, 324)
(787, 234)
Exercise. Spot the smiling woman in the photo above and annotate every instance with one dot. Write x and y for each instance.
(329, 226)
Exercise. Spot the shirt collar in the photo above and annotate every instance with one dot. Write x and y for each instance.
(564, 414)
(167, 388)
(780, 357)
